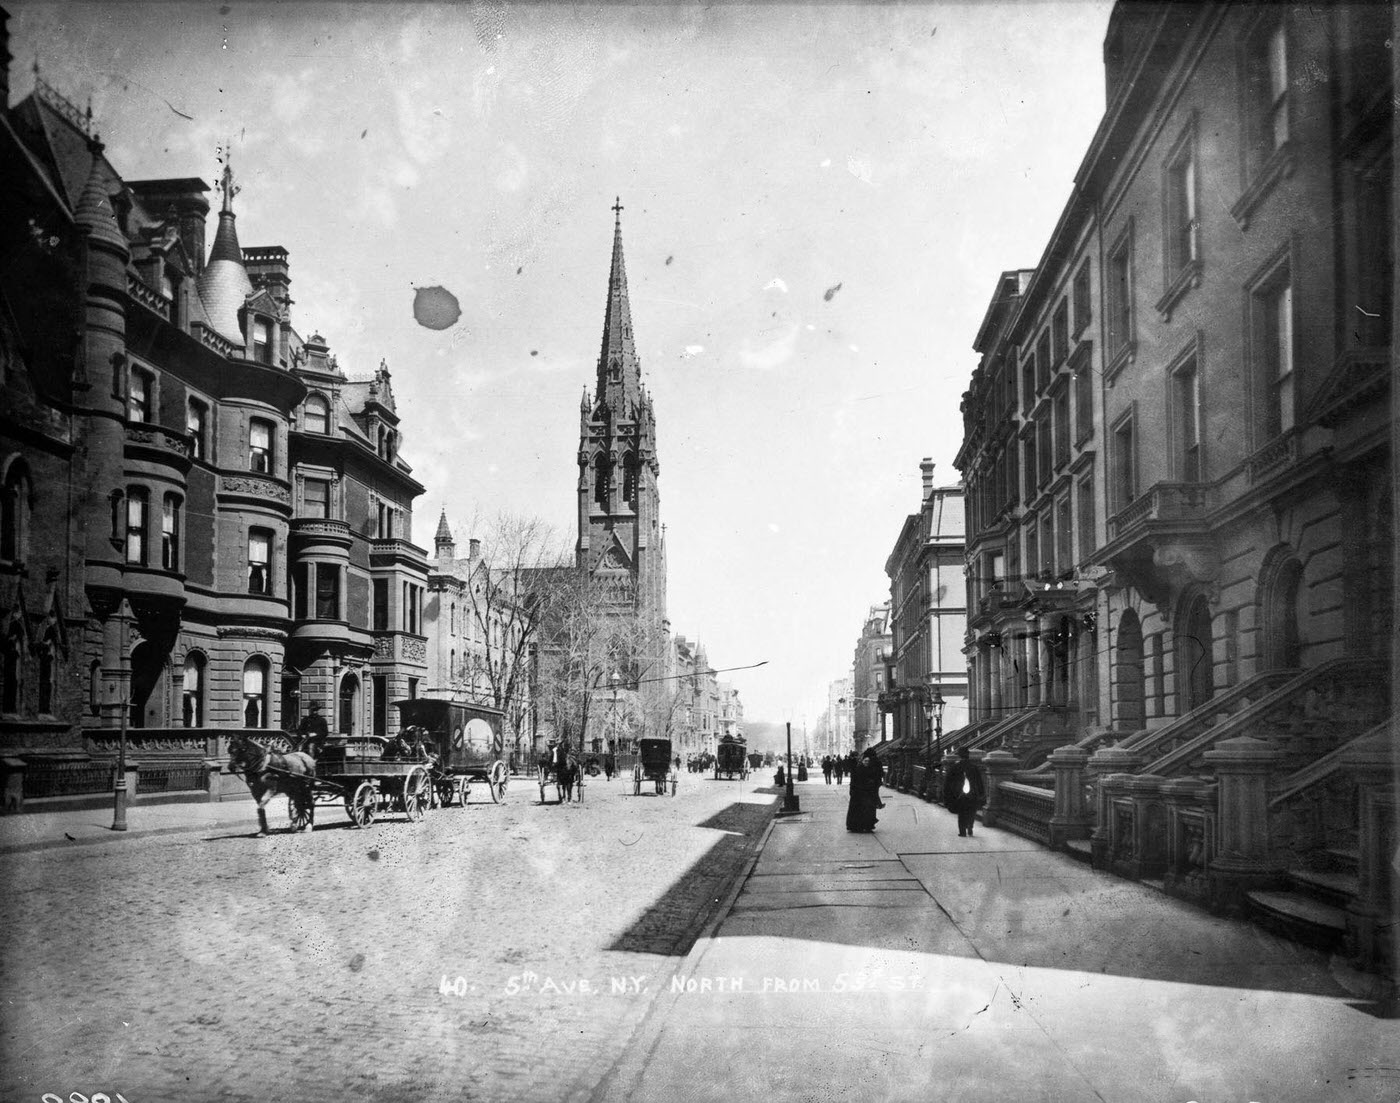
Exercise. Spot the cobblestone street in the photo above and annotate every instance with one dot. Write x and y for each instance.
(490, 952)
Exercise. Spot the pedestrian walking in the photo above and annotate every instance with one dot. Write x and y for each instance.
(865, 794)
(826, 768)
(839, 769)
(964, 791)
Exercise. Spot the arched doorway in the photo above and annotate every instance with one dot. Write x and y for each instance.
(148, 686)
(1283, 648)
(1195, 661)
(349, 703)
(1127, 674)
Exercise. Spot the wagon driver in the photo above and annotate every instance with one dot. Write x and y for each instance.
(313, 731)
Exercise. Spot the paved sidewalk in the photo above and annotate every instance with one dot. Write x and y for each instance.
(914, 964)
(41, 830)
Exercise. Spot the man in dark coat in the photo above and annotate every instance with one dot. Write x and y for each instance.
(964, 791)
(313, 731)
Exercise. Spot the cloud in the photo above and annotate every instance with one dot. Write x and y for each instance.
(691, 350)
(776, 284)
(769, 354)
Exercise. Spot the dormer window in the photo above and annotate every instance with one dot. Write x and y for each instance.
(316, 415)
(262, 340)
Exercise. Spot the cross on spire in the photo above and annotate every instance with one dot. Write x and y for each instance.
(617, 209)
(226, 184)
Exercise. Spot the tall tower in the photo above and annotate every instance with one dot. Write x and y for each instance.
(620, 539)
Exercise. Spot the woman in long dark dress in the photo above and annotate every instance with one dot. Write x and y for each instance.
(865, 793)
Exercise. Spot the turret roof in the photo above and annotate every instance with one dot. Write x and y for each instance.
(224, 284)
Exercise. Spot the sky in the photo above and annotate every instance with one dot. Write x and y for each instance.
(817, 201)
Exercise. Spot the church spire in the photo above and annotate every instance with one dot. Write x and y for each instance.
(619, 373)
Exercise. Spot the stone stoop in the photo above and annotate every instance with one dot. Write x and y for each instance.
(1313, 908)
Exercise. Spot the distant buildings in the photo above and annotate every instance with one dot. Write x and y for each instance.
(868, 678)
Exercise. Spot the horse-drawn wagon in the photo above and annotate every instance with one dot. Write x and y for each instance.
(731, 758)
(467, 745)
(654, 764)
(370, 775)
(559, 766)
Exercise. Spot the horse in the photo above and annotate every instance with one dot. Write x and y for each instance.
(566, 778)
(270, 773)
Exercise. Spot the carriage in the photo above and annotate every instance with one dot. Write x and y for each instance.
(369, 775)
(654, 764)
(467, 745)
(731, 758)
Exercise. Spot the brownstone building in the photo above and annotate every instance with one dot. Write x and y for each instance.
(205, 522)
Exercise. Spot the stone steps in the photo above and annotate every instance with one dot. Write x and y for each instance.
(1301, 917)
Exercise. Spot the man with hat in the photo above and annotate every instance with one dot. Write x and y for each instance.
(313, 731)
(964, 791)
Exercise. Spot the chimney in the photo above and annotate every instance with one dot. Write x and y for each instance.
(926, 466)
(475, 547)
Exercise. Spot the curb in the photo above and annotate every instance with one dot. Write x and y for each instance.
(645, 1037)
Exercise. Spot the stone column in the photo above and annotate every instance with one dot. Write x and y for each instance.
(1149, 826)
(1071, 818)
(1244, 859)
(995, 667)
(1187, 799)
(1105, 763)
(997, 766)
(1030, 649)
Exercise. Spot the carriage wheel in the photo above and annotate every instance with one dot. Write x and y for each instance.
(301, 809)
(417, 793)
(445, 788)
(360, 804)
(499, 777)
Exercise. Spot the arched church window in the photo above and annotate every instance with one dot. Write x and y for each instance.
(14, 513)
(602, 478)
(629, 480)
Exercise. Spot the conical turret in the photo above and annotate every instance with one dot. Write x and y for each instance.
(224, 285)
(619, 372)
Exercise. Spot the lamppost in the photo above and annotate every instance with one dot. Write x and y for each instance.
(933, 713)
(613, 679)
(120, 795)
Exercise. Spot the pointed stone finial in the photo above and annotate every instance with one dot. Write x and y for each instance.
(227, 186)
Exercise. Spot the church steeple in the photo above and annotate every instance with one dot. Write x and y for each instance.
(619, 371)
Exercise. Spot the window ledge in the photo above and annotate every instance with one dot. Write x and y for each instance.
(1189, 277)
(1120, 360)
(1278, 167)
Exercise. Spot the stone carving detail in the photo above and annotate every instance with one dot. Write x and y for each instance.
(247, 484)
(384, 646)
(250, 632)
(147, 743)
(414, 649)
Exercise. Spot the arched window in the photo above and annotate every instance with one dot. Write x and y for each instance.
(349, 703)
(255, 693)
(15, 505)
(629, 479)
(602, 476)
(192, 696)
(316, 415)
(1127, 674)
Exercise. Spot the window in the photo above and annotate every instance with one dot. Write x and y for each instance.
(1060, 333)
(137, 502)
(1124, 464)
(316, 415)
(379, 686)
(1083, 402)
(1182, 228)
(255, 693)
(1157, 675)
(996, 568)
(192, 696)
(381, 605)
(1273, 334)
(385, 526)
(1028, 384)
(1042, 361)
(413, 689)
(1047, 543)
(260, 446)
(1267, 92)
(1186, 428)
(412, 607)
(259, 561)
(1044, 442)
(1086, 518)
(1029, 445)
(170, 533)
(15, 512)
(197, 426)
(1120, 292)
(262, 340)
(327, 591)
(1064, 535)
(1081, 298)
(316, 498)
(301, 578)
(1060, 408)
(138, 396)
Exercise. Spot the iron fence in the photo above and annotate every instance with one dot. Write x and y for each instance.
(171, 777)
(63, 779)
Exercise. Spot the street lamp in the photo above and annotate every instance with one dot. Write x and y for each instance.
(933, 713)
(613, 679)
